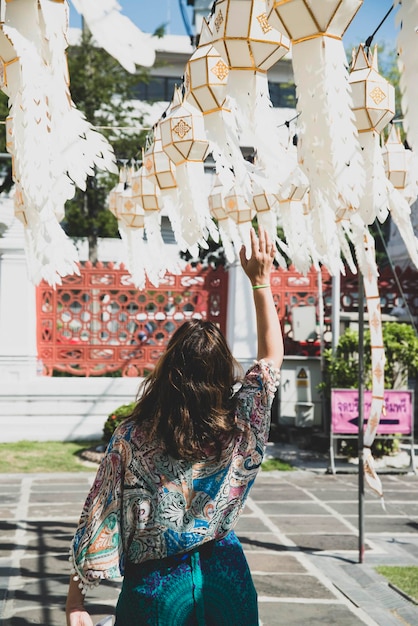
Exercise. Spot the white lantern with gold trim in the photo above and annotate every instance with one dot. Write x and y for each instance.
(374, 107)
(128, 210)
(159, 168)
(206, 75)
(145, 192)
(396, 159)
(183, 135)
(184, 140)
(116, 192)
(373, 96)
(328, 149)
(243, 37)
(228, 231)
(205, 84)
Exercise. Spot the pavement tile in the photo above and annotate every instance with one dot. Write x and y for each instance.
(293, 508)
(250, 524)
(290, 614)
(281, 563)
(260, 541)
(57, 497)
(319, 542)
(48, 511)
(291, 585)
(309, 523)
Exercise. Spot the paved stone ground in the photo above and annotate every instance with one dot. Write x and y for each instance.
(299, 532)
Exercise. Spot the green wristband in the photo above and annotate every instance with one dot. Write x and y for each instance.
(260, 286)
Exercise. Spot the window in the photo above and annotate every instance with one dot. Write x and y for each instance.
(283, 95)
(158, 89)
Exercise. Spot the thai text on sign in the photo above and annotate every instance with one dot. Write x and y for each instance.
(397, 417)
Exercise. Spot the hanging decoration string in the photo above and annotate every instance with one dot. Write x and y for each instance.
(370, 38)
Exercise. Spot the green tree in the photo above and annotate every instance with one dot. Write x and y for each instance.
(102, 90)
(401, 350)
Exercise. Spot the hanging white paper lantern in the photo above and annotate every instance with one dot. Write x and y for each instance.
(183, 138)
(238, 208)
(328, 149)
(228, 231)
(395, 159)
(206, 75)
(304, 19)
(244, 37)
(159, 168)
(116, 192)
(373, 96)
(373, 105)
(128, 210)
(145, 192)
(183, 135)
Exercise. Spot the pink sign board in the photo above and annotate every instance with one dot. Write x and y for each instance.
(344, 412)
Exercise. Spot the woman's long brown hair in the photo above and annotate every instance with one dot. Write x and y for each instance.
(187, 402)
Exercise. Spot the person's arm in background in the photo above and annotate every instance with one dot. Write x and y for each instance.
(258, 268)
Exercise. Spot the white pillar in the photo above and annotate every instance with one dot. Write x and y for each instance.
(18, 350)
(241, 330)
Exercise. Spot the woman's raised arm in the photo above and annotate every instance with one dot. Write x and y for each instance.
(258, 268)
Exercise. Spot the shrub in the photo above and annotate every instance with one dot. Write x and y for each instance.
(115, 418)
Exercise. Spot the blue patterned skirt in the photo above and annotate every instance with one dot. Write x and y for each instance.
(205, 589)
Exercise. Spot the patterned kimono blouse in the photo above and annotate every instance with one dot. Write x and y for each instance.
(147, 505)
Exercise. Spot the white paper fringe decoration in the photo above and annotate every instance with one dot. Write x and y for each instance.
(116, 33)
(407, 44)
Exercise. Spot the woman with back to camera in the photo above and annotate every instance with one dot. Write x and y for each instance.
(175, 477)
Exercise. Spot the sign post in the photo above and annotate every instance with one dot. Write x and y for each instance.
(361, 417)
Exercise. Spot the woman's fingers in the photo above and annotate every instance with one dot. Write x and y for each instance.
(262, 239)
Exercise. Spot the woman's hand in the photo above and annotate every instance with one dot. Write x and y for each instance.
(79, 617)
(258, 266)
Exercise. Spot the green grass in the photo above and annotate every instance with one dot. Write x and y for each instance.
(63, 456)
(44, 456)
(276, 464)
(404, 578)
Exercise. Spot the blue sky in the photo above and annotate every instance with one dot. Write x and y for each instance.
(148, 15)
